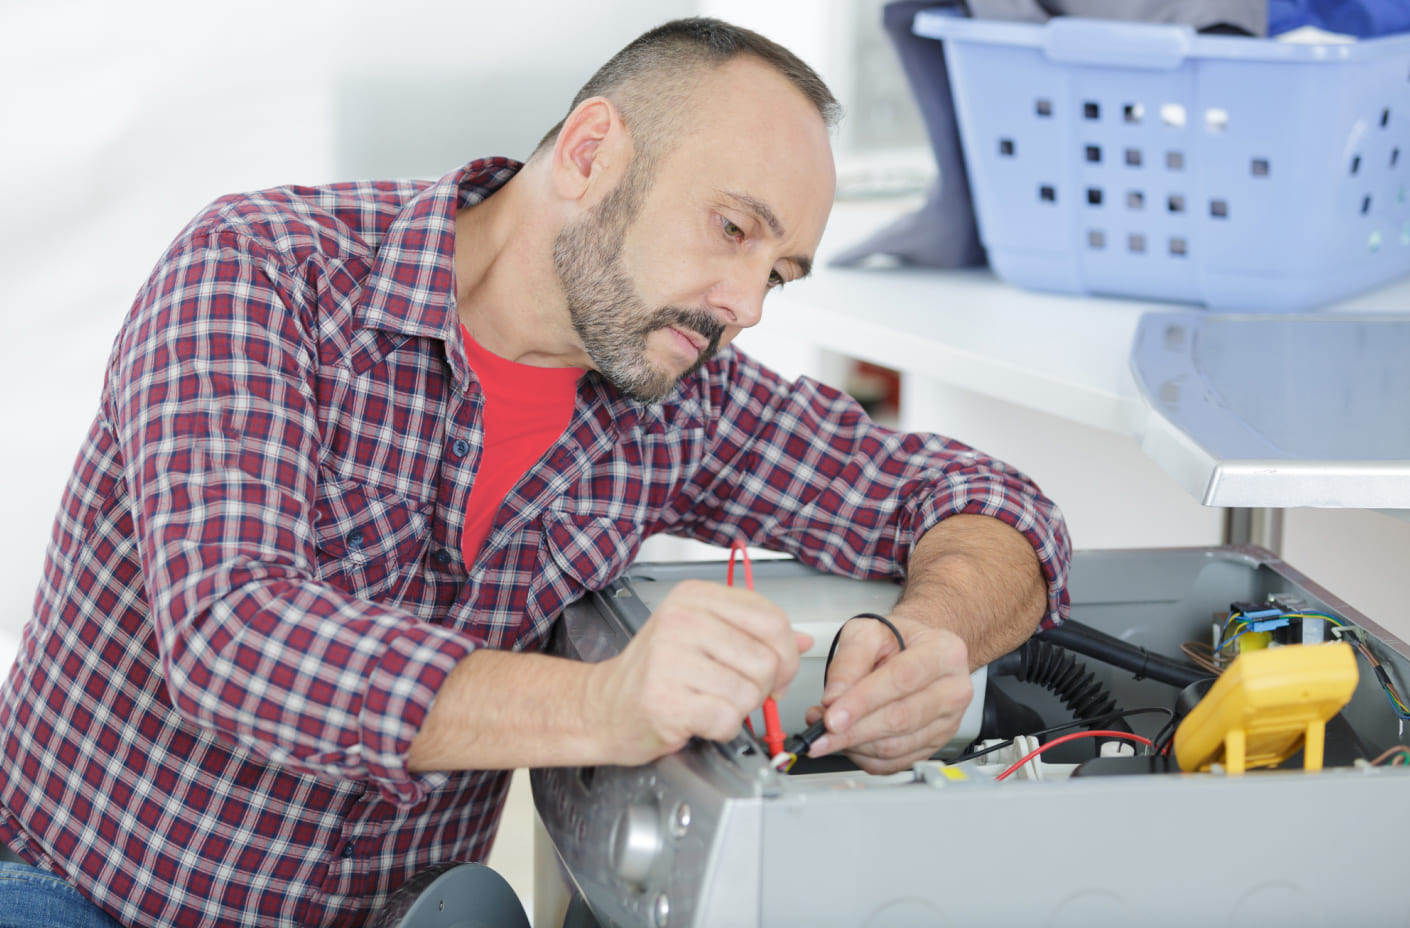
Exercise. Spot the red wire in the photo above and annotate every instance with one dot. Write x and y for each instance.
(1072, 737)
(773, 728)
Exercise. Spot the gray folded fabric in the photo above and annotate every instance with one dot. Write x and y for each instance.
(1247, 16)
(944, 231)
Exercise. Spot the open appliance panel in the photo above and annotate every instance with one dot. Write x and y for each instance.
(714, 836)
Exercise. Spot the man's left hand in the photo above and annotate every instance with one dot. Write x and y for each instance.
(887, 708)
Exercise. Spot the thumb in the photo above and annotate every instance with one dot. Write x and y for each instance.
(857, 655)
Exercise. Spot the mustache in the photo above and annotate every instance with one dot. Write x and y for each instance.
(697, 320)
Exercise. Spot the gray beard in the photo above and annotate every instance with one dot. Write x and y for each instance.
(610, 317)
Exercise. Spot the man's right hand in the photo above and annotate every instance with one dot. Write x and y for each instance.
(708, 656)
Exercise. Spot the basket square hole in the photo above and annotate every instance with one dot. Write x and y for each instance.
(1385, 118)
(1136, 242)
(1047, 193)
(1216, 120)
(1094, 154)
(1175, 160)
(1400, 195)
(1096, 238)
(1355, 163)
(1135, 199)
(1094, 196)
(1133, 112)
(1006, 147)
(1365, 204)
(1173, 115)
(1394, 156)
(1043, 107)
(1175, 203)
(1405, 233)
(1260, 168)
(1133, 157)
(1374, 242)
(1219, 209)
(1178, 248)
(1091, 110)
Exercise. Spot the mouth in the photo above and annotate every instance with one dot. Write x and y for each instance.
(692, 339)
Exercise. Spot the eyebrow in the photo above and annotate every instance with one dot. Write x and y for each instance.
(761, 210)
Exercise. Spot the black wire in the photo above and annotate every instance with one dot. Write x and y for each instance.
(1078, 723)
(1162, 739)
(901, 642)
(800, 743)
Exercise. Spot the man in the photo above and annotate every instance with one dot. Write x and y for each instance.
(359, 445)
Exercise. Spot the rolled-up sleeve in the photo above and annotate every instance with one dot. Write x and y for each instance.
(800, 467)
(212, 397)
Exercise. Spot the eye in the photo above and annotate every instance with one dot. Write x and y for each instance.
(776, 280)
(731, 230)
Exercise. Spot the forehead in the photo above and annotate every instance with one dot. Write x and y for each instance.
(748, 132)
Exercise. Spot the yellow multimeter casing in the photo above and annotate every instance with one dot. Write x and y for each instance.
(1267, 704)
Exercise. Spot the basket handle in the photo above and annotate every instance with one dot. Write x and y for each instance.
(1151, 46)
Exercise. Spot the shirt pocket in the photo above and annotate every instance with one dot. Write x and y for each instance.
(368, 539)
(592, 550)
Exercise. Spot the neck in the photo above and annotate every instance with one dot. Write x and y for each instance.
(507, 293)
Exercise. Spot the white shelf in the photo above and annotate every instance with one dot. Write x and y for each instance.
(1066, 356)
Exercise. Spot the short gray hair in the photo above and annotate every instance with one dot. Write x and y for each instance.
(650, 80)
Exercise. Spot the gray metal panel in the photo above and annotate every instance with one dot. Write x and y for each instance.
(763, 849)
(1279, 410)
(1284, 849)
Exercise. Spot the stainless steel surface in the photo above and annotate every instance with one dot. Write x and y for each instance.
(1279, 411)
(1261, 527)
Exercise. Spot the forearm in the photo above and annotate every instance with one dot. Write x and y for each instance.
(979, 578)
(708, 655)
(499, 710)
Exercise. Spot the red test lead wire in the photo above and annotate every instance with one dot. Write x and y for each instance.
(1072, 737)
(773, 730)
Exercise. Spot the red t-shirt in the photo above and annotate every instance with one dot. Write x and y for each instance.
(526, 409)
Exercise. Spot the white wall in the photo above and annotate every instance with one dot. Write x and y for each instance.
(122, 119)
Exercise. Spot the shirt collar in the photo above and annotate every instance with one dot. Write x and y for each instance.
(411, 286)
(411, 290)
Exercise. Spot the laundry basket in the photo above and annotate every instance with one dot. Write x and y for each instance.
(1145, 160)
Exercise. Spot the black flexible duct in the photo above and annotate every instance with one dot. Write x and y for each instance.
(1049, 666)
(1103, 647)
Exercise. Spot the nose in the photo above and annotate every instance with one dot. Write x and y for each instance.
(739, 298)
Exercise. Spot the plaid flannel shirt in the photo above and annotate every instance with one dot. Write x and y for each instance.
(254, 587)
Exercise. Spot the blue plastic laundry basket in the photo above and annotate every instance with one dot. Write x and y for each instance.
(1145, 160)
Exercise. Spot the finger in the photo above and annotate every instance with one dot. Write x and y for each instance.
(942, 703)
(696, 695)
(699, 651)
(933, 655)
(889, 755)
(861, 646)
(895, 680)
(902, 696)
(744, 610)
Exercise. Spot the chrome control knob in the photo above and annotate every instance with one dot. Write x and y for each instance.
(637, 842)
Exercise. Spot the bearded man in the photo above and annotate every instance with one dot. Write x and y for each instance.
(358, 446)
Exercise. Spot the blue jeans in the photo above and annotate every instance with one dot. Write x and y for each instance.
(34, 898)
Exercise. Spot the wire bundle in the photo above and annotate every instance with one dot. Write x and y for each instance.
(1238, 624)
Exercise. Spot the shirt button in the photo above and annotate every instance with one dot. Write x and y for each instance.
(460, 447)
(441, 556)
(355, 538)
(347, 850)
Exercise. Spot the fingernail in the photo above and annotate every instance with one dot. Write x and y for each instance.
(839, 720)
(820, 747)
(833, 690)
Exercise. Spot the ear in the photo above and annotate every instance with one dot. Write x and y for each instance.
(591, 149)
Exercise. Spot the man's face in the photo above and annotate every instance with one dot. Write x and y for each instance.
(665, 269)
(611, 318)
